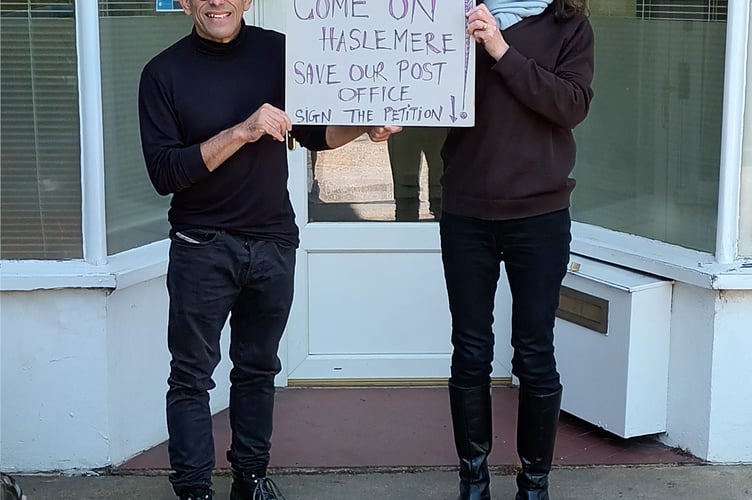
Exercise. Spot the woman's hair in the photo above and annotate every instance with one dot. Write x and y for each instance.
(565, 9)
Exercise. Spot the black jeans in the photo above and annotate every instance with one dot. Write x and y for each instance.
(535, 252)
(213, 274)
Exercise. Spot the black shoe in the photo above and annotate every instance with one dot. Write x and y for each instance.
(531, 486)
(197, 494)
(9, 488)
(251, 487)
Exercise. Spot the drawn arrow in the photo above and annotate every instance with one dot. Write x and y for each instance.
(469, 4)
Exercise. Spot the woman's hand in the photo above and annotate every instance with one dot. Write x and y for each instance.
(339, 135)
(482, 26)
(382, 133)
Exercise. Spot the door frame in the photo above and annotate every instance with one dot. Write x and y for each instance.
(353, 237)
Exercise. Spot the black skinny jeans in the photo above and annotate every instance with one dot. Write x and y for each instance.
(216, 275)
(535, 252)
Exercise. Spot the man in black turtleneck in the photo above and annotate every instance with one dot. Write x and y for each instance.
(213, 135)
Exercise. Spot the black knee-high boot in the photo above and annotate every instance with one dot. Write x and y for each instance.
(537, 419)
(471, 420)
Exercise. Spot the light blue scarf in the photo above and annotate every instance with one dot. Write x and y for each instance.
(509, 12)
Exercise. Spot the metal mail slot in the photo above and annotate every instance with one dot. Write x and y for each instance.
(583, 309)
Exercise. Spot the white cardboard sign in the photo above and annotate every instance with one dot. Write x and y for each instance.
(380, 62)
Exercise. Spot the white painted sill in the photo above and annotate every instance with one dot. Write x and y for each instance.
(661, 259)
(632, 252)
(121, 271)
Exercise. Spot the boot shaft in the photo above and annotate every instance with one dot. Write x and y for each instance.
(537, 421)
(473, 437)
(471, 420)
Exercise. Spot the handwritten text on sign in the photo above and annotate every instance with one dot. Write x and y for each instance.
(379, 62)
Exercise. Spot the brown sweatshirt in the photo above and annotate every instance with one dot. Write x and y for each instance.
(516, 161)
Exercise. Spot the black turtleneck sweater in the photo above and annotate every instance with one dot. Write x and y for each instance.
(516, 161)
(195, 89)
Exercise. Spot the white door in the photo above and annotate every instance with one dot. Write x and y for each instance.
(370, 301)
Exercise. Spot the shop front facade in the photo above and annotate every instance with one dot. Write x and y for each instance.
(659, 289)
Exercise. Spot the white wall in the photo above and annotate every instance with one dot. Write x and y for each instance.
(710, 398)
(138, 367)
(83, 376)
(54, 380)
(690, 370)
(730, 438)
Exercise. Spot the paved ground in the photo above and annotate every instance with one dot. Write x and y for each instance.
(604, 483)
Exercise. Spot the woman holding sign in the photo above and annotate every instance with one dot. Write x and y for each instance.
(506, 195)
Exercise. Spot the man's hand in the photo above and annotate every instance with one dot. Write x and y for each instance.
(267, 120)
(382, 133)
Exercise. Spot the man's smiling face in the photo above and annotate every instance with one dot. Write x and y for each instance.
(216, 20)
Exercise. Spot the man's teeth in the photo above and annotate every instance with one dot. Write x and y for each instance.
(217, 16)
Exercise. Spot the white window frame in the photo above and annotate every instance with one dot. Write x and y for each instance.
(722, 270)
(738, 30)
(93, 223)
(745, 206)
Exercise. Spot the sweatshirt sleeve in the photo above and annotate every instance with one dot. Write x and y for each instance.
(312, 137)
(171, 164)
(563, 95)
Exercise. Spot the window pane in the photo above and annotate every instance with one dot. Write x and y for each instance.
(364, 181)
(649, 152)
(40, 175)
(131, 33)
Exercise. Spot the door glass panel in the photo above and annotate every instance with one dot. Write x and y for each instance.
(366, 181)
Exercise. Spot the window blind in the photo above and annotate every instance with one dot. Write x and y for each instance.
(683, 10)
(40, 177)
